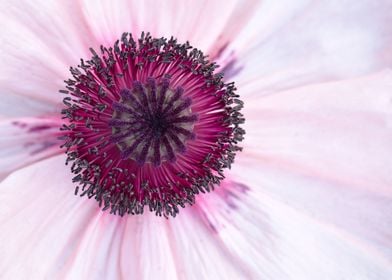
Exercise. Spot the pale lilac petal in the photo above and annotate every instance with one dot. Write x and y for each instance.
(325, 150)
(237, 222)
(41, 221)
(198, 253)
(27, 140)
(314, 41)
(208, 25)
(121, 248)
(340, 129)
(242, 235)
(149, 247)
(16, 105)
(305, 248)
(41, 41)
(53, 234)
(272, 240)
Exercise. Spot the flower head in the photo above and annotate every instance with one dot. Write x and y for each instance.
(148, 122)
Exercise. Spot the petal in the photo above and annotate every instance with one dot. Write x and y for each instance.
(41, 220)
(219, 239)
(15, 105)
(342, 129)
(237, 222)
(26, 140)
(201, 22)
(274, 241)
(313, 41)
(120, 248)
(198, 253)
(326, 150)
(38, 46)
(149, 247)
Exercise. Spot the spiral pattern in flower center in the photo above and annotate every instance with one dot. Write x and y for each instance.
(148, 123)
(151, 123)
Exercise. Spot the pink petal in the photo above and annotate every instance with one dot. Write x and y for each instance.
(267, 239)
(241, 228)
(314, 41)
(26, 140)
(198, 253)
(41, 221)
(41, 41)
(16, 105)
(149, 247)
(325, 150)
(208, 25)
(234, 233)
(39, 45)
(119, 248)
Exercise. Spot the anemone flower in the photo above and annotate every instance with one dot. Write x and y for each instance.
(123, 102)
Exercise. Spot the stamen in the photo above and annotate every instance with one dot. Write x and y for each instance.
(149, 123)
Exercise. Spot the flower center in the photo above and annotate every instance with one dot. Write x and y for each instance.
(149, 124)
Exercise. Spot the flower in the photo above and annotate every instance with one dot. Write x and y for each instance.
(308, 198)
(148, 123)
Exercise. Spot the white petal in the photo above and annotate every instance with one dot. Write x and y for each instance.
(53, 234)
(304, 248)
(41, 41)
(149, 247)
(199, 254)
(326, 151)
(17, 105)
(270, 240)
(41, 221)
(238, 222)
(131, 247)
(27, 140)
(314, 41)
(343, 129)
(231, 234)
(208, 25)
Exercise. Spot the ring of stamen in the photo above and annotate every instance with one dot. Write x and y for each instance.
(149, 123)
